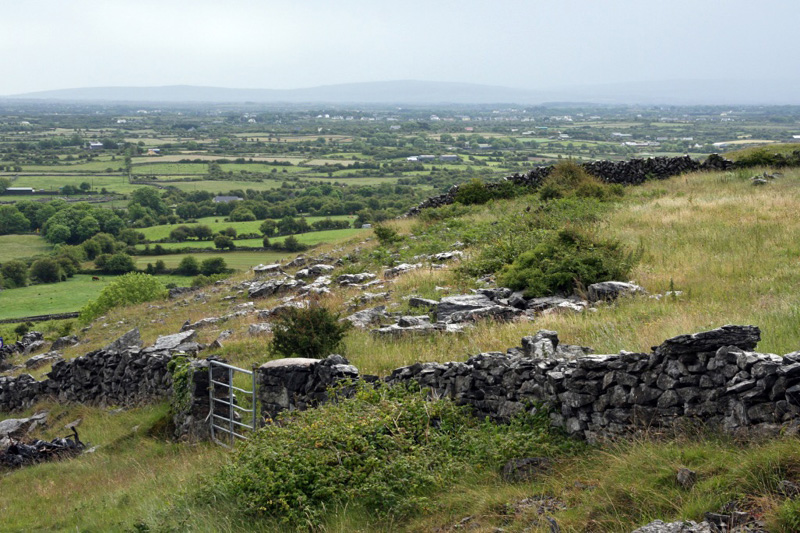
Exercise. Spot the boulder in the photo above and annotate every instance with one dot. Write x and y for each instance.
(416, 301)
(744, 337)
(272, 287)
(171, 343)
(611, 290)
(367, 317)
(467, 302)
(259, 329)
(129, 340)
(355, 279)
(401, 269)
(42, 359)
(63, 342)
(262, 271)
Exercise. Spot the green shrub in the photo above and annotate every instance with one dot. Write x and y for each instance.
(313, 332)
(565, 261)
(385, 451)
(213, 265)
(15, 273)
(204, 281)
(386, 235)
(473, 192)
(47, 270)
(132, 288)
(188, 266)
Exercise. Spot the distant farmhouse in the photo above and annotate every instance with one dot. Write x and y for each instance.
(225, 199)
(95, 145)
(449, 157)
(20, 190)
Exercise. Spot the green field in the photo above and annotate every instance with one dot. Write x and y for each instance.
(22, 246)
(63, 297)
(171, 168)
(311, 238)
(216, 187)
(235, 260)
(155, 233)
(118, 184)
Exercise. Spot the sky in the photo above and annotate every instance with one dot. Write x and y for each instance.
(535, 44)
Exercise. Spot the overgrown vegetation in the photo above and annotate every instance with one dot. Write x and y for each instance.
(566, 261)
(385, 451)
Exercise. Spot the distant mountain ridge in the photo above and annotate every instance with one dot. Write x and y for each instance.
(415, 92)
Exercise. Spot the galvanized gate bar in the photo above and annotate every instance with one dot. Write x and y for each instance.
(227, 424)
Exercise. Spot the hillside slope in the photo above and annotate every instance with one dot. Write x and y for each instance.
(727, 251)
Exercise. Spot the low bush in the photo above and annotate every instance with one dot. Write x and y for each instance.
(313, 332)
(385, 451)
(132, 288)
(565, 261)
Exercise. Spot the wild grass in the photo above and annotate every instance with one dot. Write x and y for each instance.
(135, 471)
(22, 246)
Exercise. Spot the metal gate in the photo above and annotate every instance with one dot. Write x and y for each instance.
(228, 417)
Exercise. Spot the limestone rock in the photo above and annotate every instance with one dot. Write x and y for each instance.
(611, 290)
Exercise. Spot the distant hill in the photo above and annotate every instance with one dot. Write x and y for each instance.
(413, 92)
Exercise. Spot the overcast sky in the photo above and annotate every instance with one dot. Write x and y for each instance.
(535, 44)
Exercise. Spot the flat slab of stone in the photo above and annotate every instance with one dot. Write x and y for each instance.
(290, 361)
(171, 342)
(129, 340)
(744, 337)
(611, 290)
(466, 302)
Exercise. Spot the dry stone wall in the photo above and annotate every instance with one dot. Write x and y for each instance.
(630, 172)
(713, 378)
(122, 373)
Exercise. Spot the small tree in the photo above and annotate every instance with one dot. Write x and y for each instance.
(223, 241)
(47, 270)
(15, 272)
(120, 263)
(188, 266)
(213, 265)
(314, 332)
(291, 244)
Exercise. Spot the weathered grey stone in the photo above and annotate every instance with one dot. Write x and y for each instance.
(686, 478)
(743, 337)
(259, 328)
(453, 304)
(611, 290)
(367, 317)
(63, 342)
(417, 302)
(172, 342)
(129, 340)
(354, 279)
(43, 359)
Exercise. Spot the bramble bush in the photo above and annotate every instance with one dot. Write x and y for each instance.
(132, 288)
(384, 450)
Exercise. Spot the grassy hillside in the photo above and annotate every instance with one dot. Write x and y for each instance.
(731, 248)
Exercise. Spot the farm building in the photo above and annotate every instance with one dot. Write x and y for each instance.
(95, 145)
(449, 157)
(225, 199)
(20, 190)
